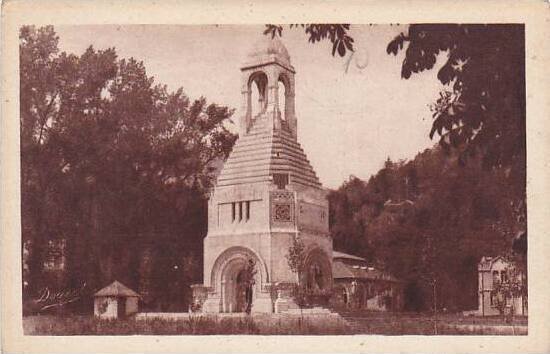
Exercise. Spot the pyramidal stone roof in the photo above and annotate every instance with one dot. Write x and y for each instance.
(116, 288)
(262, 152)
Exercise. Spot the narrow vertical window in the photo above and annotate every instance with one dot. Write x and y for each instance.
(247, 210)
(233, 211)
(280, 180)
(240, 211)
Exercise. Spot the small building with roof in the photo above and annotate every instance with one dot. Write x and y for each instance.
(115, 301)
(496, 273)
(360, 286)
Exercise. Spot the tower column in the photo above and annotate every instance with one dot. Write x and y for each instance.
(290, 111)
(246, 108)
(272, 108)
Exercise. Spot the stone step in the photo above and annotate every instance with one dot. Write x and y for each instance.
(242, 180)
(310, 311)
(257, 161)
(269, 169)
(275, 147)
(264, 141)
(263, 177)
(274, 157)
(293, 167)
(281, 156)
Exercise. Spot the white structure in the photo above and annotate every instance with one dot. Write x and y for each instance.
(115, 301)
(493, 271)
(266, 195)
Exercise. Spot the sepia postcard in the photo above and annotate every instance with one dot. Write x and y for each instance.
(193, 176)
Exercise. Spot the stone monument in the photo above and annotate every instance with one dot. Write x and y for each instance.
(266, 195)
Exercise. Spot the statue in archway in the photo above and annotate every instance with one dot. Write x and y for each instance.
(248, 283)
(318, 276)
(315, 281)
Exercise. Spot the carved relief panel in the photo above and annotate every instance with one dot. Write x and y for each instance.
(282, 207)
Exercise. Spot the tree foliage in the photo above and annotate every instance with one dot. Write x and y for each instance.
(482, 110)
(336, 33)
(296, 256)
(430, 220)
(113, 163)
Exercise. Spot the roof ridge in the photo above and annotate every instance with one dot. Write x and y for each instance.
(116, 288)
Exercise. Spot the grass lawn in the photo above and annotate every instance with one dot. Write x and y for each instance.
(388, 323)
(355, 323)
(88, 325)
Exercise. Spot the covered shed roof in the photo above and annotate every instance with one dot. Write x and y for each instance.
(116, 288)
(341, 270)
(342, 255)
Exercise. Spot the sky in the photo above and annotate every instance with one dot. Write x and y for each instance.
(349, 121)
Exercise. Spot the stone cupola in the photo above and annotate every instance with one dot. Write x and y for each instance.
(268, 68)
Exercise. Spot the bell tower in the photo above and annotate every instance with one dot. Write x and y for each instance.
(266, 195)
(267, 69)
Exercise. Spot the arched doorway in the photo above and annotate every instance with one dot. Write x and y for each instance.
(234, 287)
(317, 276)
(237, 275)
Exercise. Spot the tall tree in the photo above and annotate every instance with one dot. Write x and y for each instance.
(112, 163)
(484, 110)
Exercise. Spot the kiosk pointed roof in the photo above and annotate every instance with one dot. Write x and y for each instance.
(116, 288)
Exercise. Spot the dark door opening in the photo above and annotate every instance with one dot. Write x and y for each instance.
(121, 307)
(240, 292)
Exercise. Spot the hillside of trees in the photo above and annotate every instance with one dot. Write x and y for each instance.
(432, 219)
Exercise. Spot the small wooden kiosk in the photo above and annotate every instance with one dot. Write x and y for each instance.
(115, 301)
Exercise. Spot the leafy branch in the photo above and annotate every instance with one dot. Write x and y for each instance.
(337, 34)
